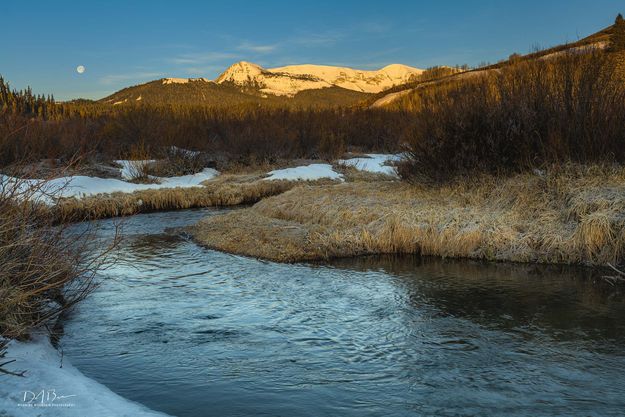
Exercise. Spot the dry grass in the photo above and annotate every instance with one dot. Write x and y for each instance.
(572, 215)
(225, 190)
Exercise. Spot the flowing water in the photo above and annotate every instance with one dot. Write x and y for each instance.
(194, 332)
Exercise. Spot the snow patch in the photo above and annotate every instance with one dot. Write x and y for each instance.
(175, 80)
(389, 98)
(193, 180)
(584, 49)
(132, 168)
(47, 372)
(376, 163)
(305, 173)
(82, 186)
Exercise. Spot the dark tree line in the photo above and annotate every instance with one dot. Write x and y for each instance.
(35, 127)
(24, 102)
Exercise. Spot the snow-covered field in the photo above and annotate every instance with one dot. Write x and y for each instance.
(373, 163)
(53, 387)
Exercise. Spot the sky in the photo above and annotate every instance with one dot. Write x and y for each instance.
(123, 43)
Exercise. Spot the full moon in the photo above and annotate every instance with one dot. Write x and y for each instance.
(80, 69)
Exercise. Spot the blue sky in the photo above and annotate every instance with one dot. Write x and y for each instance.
(123, 43)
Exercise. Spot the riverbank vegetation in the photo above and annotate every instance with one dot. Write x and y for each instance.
(569, 214)
(45, 270)
(223, 191)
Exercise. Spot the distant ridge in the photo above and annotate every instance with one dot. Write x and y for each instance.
(246, 82)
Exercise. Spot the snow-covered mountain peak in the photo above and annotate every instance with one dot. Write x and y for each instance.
(291, 79)
(400, 71)
(241, 73)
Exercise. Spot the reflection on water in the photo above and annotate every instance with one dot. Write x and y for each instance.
(193, 332)
(563, 301)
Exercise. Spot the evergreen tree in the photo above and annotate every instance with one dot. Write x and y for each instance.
(618, 37)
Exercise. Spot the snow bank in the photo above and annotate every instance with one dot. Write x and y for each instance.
(187, 180)
(130, 169)
(81, 186)
(305, 173)
(373, 163)
(53, 387)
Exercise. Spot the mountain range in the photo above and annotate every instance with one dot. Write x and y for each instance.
(246, 82)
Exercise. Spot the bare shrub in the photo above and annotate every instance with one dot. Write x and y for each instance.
(45, 269)
(138, 161)
(569, 107)
(177, 162)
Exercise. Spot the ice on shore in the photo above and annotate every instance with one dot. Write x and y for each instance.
(53, 387)
(305, 173)
(373, 163)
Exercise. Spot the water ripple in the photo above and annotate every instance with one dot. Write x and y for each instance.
(218, 334)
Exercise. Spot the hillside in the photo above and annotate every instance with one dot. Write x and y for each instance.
(177, 91)
(599, 40)
(204, 92)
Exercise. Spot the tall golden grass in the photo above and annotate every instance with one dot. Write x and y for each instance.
(226, 190)
(572, 214)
